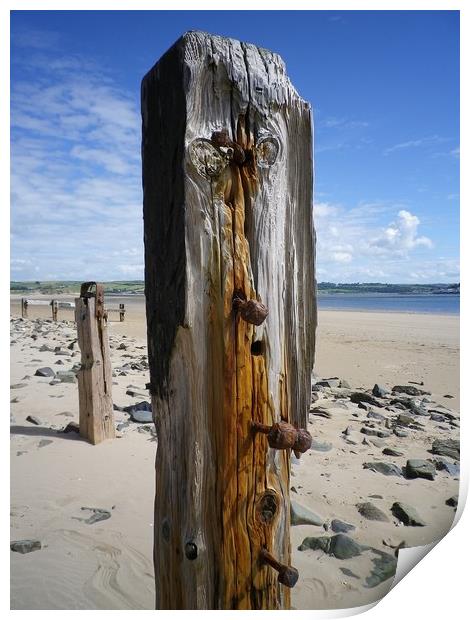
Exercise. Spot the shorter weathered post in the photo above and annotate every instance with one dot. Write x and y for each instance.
(55, 308)
(96, 419)
(24, 308)
(121, 312)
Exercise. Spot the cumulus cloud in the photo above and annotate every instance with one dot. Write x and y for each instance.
(402, 235)
(371, 241)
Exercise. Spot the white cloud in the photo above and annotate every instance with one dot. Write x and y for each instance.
(419, 142)
(358, 245)
(76, 198)
(401, 236)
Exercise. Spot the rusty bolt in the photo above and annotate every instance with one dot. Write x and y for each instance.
(251, 311)
(282, 436)
(287, 575)
(222, 139)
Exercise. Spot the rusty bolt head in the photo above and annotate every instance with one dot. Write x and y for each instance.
(252, 311)
(288, 576)
(282, 436)
(303, 441)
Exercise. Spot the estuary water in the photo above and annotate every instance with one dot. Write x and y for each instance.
(390, 302)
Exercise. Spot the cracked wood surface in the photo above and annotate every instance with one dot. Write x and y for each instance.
(96, 418)
(241, 230)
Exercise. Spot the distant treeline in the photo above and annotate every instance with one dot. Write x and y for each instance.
(72, 287)
(135, 287)
(378, 287)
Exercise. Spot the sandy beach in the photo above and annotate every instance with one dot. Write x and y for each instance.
(57, 478)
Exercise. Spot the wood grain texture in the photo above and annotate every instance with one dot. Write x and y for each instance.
(96, 419)
(221, 493)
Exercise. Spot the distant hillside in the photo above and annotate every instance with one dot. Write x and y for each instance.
(126, 287)
(377, 287)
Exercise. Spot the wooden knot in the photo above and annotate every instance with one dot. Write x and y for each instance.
(251, 310)
(287, 575)
(282, 436)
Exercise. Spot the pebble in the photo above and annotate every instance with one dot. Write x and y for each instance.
(452, 501)
(387, 469)
(407, 514)
(300, 515)
(419, 468)
(392, 452)
(34, 420)
(25, 546)
(341, 527)
(369, 511)
(447, 447)
(321, 446)
(44, 372)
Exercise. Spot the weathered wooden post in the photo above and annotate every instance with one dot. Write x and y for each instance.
(55, 308)
(121, 312)
(231, 317)
(24, 308)
(96, 419)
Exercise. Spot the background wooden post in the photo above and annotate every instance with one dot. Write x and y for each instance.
(96, 419)
(228, 182)
(55, 308)
(24, 308)
(121, 312)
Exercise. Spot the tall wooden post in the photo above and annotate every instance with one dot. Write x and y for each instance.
(96, 419)
(55, 308)
(121, 312)
(24, 308)
(231, 317)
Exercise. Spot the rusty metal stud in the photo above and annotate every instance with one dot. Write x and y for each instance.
(282, 436)
(287, 575)
(251, 310)
(221, 139)
(303, 441)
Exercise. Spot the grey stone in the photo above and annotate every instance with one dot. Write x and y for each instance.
(46, 347)
(420, 468)
(141, 416)
(66, 376)
(380, 391)
(348, 572)
(17, 386)
(25, 546)
(391, 452)
(44, 442)
(341, 527)
(44, 372)
(300, 515)
(384, 567)
(377, 441)
(136, 393)
(407, 514)
(453, 501)
(411, 390)
(404, 420)
(345, 384)
(400, 433)
(375, 415)
(387, 469)
(366, 430)
(364, 397)
(447, 447)
(332, 382)
(369, 511)
(34, 420)
(321, 446)
(62, 352)
(72, 427)
(453, 469)
(340, 546)
(99, 514)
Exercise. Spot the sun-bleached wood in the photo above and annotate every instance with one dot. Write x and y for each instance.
(214, 231)
(96, 418)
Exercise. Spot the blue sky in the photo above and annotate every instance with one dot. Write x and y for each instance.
(384, 87)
